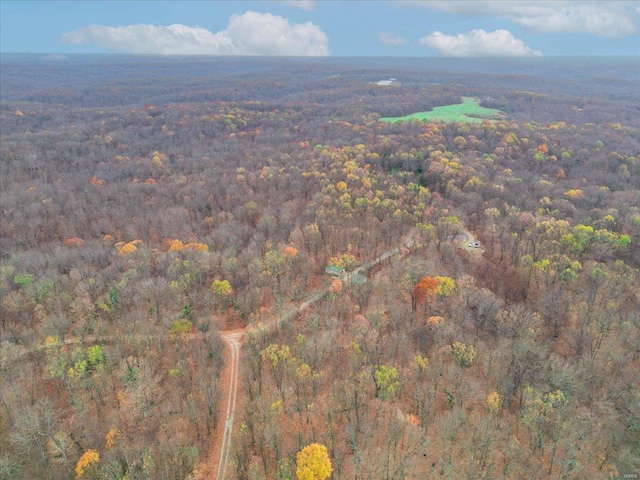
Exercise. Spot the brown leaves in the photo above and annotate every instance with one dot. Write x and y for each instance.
(290, 252)
(96, 181)
(74, 242)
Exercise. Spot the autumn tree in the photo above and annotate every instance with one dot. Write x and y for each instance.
(221, 290)
(426, 288)
(87, 463)
(118, 216)
(463, 353)
(313, 463)
(387, 381)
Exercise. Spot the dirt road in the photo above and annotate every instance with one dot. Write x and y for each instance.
(234, 340)
(230, 374)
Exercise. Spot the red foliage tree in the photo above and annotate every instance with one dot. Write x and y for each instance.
(424, 289)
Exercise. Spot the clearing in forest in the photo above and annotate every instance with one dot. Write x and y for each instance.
(467, 111)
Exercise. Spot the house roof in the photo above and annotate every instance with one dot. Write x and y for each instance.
(334, 270)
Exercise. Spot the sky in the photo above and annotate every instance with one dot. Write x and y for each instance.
(475, 28)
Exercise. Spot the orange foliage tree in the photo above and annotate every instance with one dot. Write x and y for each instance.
(424, 289)
(74, 242)
(89, 459)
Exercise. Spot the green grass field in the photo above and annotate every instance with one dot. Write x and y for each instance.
(467, 111)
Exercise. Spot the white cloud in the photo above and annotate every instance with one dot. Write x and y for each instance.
(251, 33)
(606, 19)
(478, 43)
(390, 39)
(307, 5)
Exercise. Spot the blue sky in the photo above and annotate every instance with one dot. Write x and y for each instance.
(323, 27)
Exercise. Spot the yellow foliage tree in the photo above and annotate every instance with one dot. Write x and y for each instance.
(313, 463)
(574, 194)
(493, 401)
(127, 248)
(176, 245)
(347, 260)
(463, 353)
(181, 327)
(445, 286)
(221, 288)
(110, 438)
(420, 363)
(89, 459)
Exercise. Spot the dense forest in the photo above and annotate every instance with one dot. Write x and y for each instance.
(150, 203)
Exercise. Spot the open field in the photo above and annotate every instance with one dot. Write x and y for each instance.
(467, 111)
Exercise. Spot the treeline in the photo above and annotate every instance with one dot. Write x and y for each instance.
(597, 90)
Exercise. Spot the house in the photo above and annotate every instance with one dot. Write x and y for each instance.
(334, 270)
(391, 81)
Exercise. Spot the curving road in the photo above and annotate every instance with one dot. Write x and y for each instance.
(234, 340)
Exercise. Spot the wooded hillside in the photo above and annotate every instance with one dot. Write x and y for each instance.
(148, 204)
